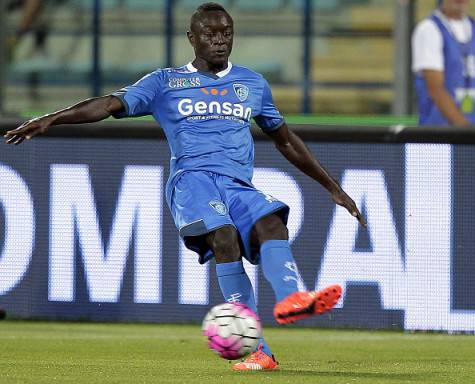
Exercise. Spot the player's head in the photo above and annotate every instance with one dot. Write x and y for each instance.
(455, 8)
(211, 33)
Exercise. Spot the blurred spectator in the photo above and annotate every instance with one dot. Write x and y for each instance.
(443, 48)
(29, 22)
(33, 19)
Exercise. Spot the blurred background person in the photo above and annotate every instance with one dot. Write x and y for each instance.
(443, 48)
(32, 19)
(29, 21)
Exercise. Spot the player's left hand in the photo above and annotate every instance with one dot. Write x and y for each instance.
(341, 198)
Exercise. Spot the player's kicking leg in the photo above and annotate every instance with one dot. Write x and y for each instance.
(279, 268)
(260, 220)
(300, 305)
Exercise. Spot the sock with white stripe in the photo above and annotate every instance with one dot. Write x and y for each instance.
(279, 268)
(236, 287)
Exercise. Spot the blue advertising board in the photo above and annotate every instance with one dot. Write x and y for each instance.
(85, 233)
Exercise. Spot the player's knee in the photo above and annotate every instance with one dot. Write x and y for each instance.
(225, 245)
(270, 228)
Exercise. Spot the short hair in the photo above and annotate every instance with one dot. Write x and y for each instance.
(207, 7)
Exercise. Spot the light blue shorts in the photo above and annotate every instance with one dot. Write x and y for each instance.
(202, 202)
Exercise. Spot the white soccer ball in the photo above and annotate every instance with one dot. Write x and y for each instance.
(233, 330)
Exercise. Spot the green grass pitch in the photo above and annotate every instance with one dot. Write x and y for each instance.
(49, 352)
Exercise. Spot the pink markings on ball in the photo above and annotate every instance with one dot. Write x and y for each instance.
(248, 312)
(227, 348)
(230, 355)
(211, 330)
(213, 344)
(241, 319)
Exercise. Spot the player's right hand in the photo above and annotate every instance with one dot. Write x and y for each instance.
(27, 130)
(340, 197)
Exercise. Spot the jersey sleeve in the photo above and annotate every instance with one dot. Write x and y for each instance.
(138, 99)
(269, 119)
(427, 47)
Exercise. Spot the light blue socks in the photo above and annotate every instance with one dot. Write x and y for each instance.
(279, 268)
(236, 287)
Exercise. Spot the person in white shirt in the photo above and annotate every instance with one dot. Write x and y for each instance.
(443, 51)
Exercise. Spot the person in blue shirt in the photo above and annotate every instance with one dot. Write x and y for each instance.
(443, 52)
(205, 109)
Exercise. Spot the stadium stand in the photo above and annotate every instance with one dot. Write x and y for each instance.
(105, 4)
(352, 51)
(144, 5)
(318, 5)
(348, 60)
(190, 5)
(256, 6)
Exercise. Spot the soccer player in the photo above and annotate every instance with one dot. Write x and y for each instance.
(443, 50)
(205, 108)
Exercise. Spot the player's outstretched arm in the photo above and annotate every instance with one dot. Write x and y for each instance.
(294, 150)
(87, 111)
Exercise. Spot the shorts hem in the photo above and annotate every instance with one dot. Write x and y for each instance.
(254, 256)
(199, 228)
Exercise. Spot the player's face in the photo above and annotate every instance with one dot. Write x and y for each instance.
(212, 38)
(459, 7)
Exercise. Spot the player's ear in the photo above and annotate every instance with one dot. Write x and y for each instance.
(191, 37)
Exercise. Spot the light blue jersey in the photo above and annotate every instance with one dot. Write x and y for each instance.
(205, 117)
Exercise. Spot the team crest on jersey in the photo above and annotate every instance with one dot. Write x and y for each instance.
(241, 91)
(219, 207)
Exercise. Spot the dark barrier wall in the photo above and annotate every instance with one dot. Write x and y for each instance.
(85, 231)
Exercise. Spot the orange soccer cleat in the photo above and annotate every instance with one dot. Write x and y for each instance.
(300, 305)
(257, 361)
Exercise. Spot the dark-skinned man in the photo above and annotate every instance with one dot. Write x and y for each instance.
(205, 109)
